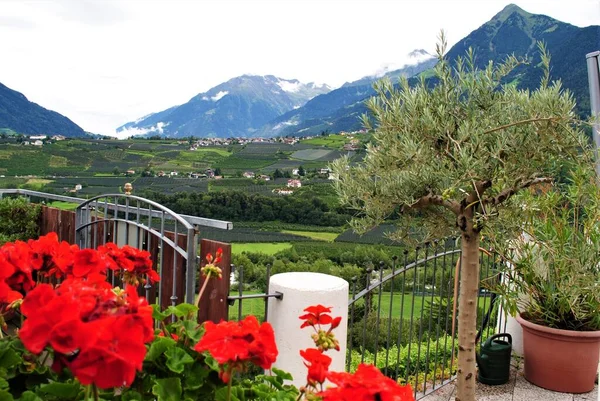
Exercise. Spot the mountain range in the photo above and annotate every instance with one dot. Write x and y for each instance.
(238, 107)
(18, 114)
(265, 105)
(268, 106)
(511, 31)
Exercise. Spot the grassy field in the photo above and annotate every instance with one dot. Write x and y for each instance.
(256, 306)
(262, 247)
(319, 236)
(63, 205)
(331, 141)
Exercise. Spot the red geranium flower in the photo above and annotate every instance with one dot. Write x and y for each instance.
(366, 384)
(317, 363)
(135, 263)
(317, 314)
(239, 342)
(97, 332)
(51, 258)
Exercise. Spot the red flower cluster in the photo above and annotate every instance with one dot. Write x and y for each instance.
(211, 268)
(52, 258)
(23, 263)
(95, 331)
(134, 262)
(318, 365)
(315, 317)
(234, 343)
(318, 315)
(366, 384)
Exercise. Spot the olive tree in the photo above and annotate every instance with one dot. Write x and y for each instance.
(447, 158)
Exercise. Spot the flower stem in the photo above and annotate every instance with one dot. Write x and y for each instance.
(202, 290)
(229, 388)
(95, 389)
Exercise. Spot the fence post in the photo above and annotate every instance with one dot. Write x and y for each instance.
(301, 290)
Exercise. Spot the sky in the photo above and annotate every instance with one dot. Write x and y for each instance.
(103, 63)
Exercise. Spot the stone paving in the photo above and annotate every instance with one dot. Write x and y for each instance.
(517, 389)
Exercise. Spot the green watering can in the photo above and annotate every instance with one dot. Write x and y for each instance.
(494, 360)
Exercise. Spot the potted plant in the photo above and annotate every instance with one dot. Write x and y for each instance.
(553, 284)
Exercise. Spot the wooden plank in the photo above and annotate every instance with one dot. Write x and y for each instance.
(62, 222)
(213, 305)
(166, 265)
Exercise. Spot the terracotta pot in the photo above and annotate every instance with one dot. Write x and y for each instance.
(560, 360)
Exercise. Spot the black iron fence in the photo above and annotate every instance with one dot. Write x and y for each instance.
(402, 317)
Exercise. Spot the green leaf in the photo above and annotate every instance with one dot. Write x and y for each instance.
(282, 374)
(275, 381)
(3, 383)
(192, 330)
(158, 347)
(66, 391)
(30, 396)
(6, 396)
(196, 377)
(186, 310)
(131, 396)
(237, 394)
(9, 358)
(212, 363)
(177, 358)
(167, 389)
(157, 314)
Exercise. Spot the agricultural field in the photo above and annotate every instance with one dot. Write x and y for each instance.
(268, 248)
(318, 236)
(311, 154)
(329, 141)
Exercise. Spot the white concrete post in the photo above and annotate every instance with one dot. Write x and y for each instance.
(301, 290)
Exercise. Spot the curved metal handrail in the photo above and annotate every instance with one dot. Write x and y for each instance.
(395, 273)
(158, 206)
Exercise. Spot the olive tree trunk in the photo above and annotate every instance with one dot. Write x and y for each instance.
(467, 315)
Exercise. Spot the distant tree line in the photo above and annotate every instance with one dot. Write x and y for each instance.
(242, 206)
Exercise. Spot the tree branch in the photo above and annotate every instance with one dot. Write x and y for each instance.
(506, 193)
(436, 200)
(479, 188)
(530, 120)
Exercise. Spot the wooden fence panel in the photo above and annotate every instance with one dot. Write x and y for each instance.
(60, 221)
(167, 271)
(213, 305)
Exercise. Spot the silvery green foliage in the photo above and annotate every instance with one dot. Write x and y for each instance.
(464, 138)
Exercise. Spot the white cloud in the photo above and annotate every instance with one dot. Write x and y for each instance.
(103, 63)
(219, 96)
(134, 131)
(289, 86)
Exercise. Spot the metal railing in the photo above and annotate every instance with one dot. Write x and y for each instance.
(194, 220)
(403, 318)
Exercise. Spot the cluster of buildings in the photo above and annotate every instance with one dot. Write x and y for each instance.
(38, 140)
(206, 142)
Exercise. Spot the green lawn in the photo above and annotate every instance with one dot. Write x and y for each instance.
(268, 248)
(63, 205)
(254, 307)
(319, 236)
